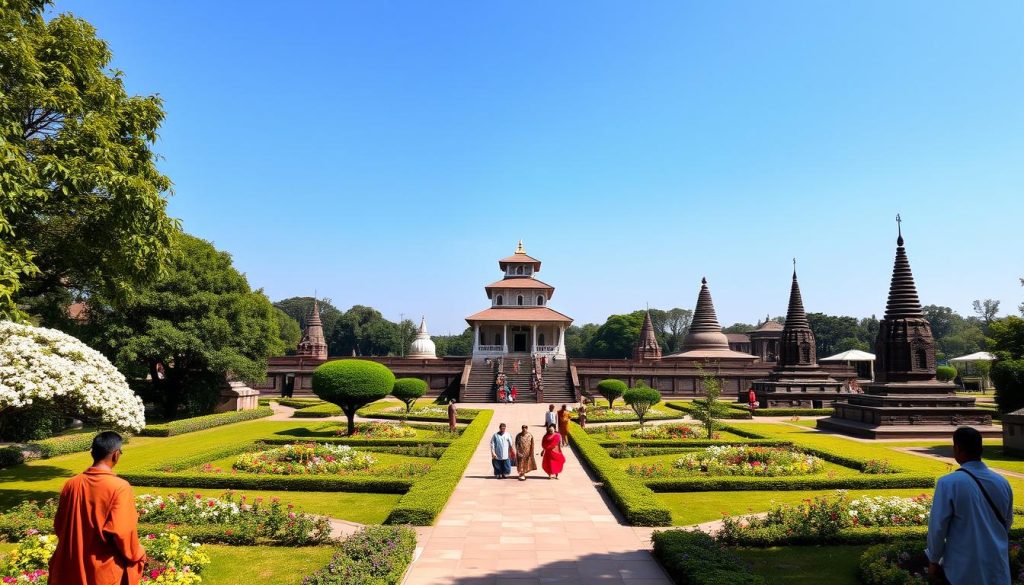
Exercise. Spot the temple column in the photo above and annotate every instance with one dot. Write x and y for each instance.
(476, 337)
(504, 338)
(533, 348)
(561, 341)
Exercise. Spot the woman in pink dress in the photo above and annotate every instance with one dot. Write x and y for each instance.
(552, 459)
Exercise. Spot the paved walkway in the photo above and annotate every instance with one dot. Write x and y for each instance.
(536, 531)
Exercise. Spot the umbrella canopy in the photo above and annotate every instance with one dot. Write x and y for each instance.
(850, 355)
(978, 356)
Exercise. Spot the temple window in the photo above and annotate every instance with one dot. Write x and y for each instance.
(805, 352)
(540, 339)
(519, 270)
(519, 300)
(540, 300)
(500, 301)
(497, 339)
(483, 340)
(922, 359)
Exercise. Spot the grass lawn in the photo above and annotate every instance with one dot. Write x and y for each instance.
(697, 507)
(265, 565)
(805, 565)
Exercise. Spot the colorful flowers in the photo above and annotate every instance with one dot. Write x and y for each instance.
(746, 460)
(304, 459)
(675, 431)
(378, 430)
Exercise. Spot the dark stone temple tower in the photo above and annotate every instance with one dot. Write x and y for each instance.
(905, 399)
(646, 347)
(797, 381)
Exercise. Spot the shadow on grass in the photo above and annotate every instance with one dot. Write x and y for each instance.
(33, 473)
(11, 498)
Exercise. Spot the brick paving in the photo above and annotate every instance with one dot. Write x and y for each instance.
(530, 532)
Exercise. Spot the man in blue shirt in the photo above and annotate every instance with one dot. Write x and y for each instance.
(968, 531)
(501, 449)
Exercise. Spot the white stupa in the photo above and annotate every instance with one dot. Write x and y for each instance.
(422, 347)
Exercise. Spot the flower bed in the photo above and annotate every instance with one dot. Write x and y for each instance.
(373, 555)
(173, 560)
(676, 431)
(748, 461)
(304, 459)
(379, 431)
(904, 563)
(598, 414)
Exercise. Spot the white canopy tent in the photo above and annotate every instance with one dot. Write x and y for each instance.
(978, 356)
(968, 374)
(852, 356)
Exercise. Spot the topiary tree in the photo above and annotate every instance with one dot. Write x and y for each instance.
(709, 409)
(611, 389)
(641, 398)
(945, 373)
(352, 384)
(408, 390)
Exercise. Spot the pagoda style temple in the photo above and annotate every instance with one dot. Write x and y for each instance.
(797, 381)
(905, 399)
(519, 320)
(647, 347)
(313, 344)
(705, 340)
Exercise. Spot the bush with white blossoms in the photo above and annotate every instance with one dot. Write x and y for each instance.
(890, 511)
(39, 365)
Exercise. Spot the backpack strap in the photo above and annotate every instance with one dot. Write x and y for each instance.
(988, 498)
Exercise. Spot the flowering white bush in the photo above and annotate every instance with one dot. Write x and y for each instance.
(48, 366)
(890, 511)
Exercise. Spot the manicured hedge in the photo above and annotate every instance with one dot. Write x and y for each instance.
(793, 411)
(428, 496)
(688, 443)
(300, 483)
(688, 408)
(462, 416)
(280, 440)
(789, 483)
(299, 402)
(11, 456)
(376, 555)
(321, 410)
(199, 423)
(695, 558)
(66, 444)
(636, 501)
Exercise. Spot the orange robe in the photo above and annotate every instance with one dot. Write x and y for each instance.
(96, 528)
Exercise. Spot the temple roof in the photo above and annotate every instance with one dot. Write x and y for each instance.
(903, 300)
(796, 317)
(647, 346)
(520, 257)
(705, 333)
(519, 314)
(520, 282)
(769, 325)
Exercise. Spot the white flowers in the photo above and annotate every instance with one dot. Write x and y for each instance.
(46, 365)
(890, 510)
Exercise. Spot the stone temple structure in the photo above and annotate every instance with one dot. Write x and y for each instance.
(905, 399)
(313, 343)
(647, 347)
(797, 381)
(705, 340)
(422, 346)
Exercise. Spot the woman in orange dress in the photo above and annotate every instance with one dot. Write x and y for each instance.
(552, 459)
(563, 425)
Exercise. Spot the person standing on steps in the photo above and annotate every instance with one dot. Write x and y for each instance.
(525, 462)
(563, 424)
(550, 417)
(552, 459)
(515, 367)
(452, 415)
(972, 511)
(501, 449)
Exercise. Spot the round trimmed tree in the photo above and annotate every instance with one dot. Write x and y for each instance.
(611, 389)
(945, 373)
(641, 398)
(40, 366)
(352, 384)
(408, 390)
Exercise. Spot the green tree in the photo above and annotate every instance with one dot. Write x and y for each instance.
(454, 345)
(611, 389)
(1006, 337)
(709, 409)
(616, 338)
(578, 338)
(641, 398)
(188, 329)
(1007, 341)
(739, 328)
(352, 384)
(830, 331)
(986, 310)
(677, 323)
(288, 331)
(82, 203)
(408, 390)
(943, 320)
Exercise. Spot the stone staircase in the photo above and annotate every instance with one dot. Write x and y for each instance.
(480, 386)
(557, 386)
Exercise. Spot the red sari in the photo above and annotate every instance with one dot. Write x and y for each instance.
(553, 459)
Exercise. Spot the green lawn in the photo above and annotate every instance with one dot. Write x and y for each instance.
(264, 565)
(805, 565)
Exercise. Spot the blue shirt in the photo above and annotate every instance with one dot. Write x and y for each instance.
(965, 533)
(550, 418)
(500, 445)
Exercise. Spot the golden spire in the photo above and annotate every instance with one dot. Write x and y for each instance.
(520, 249)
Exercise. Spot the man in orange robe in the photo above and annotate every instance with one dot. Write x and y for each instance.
(96, 524)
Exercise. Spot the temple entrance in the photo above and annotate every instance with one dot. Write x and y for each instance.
(519, 342)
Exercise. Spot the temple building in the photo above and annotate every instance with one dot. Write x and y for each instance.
(764, 341)
(422, 346)
(797, 381)
(705, 340)
(905, 399)
(646, 347)
(519, 320)
(313, 344)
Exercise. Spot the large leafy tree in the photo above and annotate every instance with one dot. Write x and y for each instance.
(454, 345)
(288, 331)
(618, 335)
(82, 203)
(179, 337)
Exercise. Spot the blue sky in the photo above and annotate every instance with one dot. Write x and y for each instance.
(388, 153)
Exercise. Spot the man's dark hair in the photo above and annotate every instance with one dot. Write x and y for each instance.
(104, 444)
(969, 441)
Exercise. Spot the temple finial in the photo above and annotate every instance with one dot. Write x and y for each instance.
(520, 249)
(899, 230)
(794, 267)
(704, 280)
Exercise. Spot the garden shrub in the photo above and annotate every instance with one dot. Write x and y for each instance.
(10, 456)
(1008, 377)
(696, 559)
(33, 423)
(428, 496)
(603, 414)
(742, 460)
(905, 563)
(319, 410)
(641, 398)
(428, 414)
(65, 444)
(691, 409)
(408, 390)
(945, 373)
(199, 423)
(352, 384)
(636, 502)
(300, 483)
(611, 389)
(375, 555)
(793, 412)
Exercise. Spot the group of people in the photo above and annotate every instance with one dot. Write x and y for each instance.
(506, 393)
(508, 452)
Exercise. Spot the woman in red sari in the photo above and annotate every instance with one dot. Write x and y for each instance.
(552, 459)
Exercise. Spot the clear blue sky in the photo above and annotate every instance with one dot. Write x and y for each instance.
(388, 153)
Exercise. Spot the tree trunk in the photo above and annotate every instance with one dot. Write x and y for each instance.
(351, 414)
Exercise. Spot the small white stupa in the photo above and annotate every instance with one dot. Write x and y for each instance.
(422, 347)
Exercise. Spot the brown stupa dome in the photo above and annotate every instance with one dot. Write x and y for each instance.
(705, 340)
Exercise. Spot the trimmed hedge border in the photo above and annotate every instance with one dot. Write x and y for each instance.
(793, 412)
(428, 496)
(789, 483)
(854, 535)
(636, 501)
(199, 423)
(692, 443)
(695, 558)
(462, 416)
(688, 408)
(292, 483)
(318, 411)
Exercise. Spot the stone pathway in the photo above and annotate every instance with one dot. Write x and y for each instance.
(536, 531)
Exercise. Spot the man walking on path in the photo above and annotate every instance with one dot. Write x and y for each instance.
(501, 448)
(968, 531)
(96, 524)
(550, 417)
